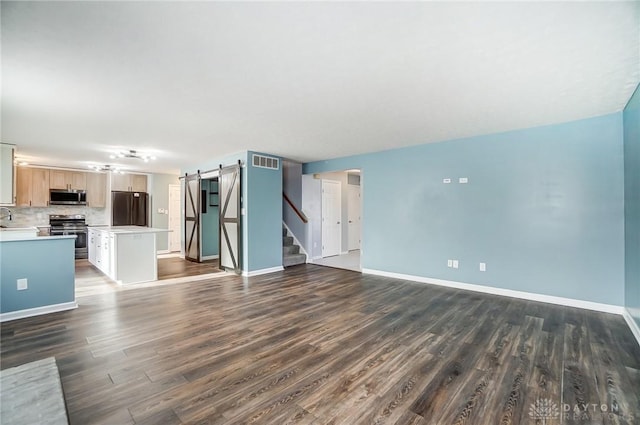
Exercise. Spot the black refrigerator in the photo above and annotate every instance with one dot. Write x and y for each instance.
(129, 208)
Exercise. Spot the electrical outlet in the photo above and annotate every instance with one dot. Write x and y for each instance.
(449, 263)
(446, 181)
(455, 264)
(483, 267)
(463, 180)
(22, 284)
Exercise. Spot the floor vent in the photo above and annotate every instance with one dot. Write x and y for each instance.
(262, 161)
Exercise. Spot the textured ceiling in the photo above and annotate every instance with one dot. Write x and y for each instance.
(191, 81)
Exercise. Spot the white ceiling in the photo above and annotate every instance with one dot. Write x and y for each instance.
(191, 81)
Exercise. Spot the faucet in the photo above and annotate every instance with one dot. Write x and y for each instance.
(8, 212)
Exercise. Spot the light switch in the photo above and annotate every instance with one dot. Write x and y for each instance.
(483, 267)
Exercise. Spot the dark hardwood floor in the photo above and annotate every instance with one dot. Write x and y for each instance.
(173, 267)
(315, 345)
(91, 281)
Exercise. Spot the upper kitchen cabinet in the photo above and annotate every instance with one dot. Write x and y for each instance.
(96, 190)
(129, 182)
(70, 180)
(32, 187)
(138, 183)
(7, 182)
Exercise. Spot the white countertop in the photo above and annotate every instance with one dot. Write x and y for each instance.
(129, 229)
(37, 238)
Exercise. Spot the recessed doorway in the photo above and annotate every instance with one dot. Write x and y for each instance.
(333, 204)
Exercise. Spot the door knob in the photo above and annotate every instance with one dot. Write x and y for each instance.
(338, 222)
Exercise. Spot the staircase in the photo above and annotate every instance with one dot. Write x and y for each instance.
(291, 255)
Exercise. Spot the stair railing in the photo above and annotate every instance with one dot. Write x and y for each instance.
(299, 213)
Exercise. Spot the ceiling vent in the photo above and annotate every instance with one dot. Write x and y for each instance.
(262, 161)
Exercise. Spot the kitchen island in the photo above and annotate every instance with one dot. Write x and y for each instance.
(37, 273)
(127, 254)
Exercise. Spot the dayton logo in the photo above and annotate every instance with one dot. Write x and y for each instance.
(544, 409)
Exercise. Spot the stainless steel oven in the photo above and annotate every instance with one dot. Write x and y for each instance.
(73, 225)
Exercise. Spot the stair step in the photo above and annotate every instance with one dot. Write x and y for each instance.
(293, 260)
(291, 249)
(287, 241)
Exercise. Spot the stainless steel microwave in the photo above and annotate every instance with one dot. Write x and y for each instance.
(67, 197)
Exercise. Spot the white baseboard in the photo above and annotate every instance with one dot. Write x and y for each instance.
(163, 251)
(635, 330)
(529, 296)
(37, 311)
(209, 257)
(262, 271)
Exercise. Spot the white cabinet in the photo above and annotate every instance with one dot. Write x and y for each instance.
(100, 250)
(91, 245)
(105, 253)
(7, 180)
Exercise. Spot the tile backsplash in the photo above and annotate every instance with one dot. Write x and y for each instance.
(27, 217)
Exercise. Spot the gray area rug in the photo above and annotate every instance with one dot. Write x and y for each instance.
(32, 394)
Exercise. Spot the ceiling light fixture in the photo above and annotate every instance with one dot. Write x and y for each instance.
(132, 154)
(107, 168)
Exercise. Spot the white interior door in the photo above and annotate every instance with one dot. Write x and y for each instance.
(331, 216)
(174, 217)
(354, 208)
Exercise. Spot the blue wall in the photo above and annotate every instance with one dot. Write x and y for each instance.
(47, 264)
(264, 214)
(210, 221)
(632, 205)
(543, 208)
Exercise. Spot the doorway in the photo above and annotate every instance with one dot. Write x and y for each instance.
(333, 203)
(174, 217)
(209, 219)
